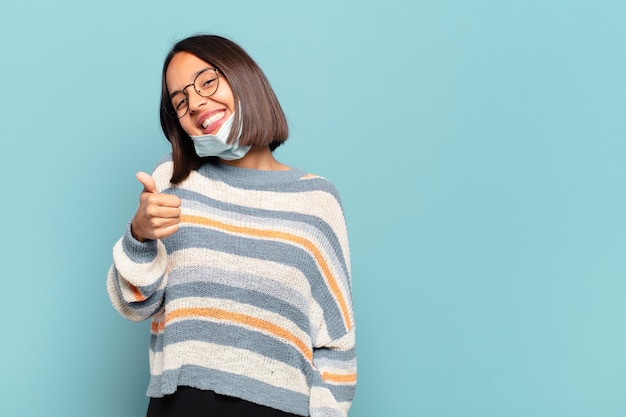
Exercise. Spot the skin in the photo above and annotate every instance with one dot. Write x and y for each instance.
(158, 215)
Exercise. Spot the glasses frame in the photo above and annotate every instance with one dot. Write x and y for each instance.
(169, 108)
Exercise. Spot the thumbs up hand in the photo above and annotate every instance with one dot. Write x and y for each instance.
(158, 214)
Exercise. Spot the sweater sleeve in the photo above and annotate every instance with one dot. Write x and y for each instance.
(333, 390)
(334, 349)
(137, 278)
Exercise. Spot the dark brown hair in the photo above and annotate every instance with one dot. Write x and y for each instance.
(263, 120)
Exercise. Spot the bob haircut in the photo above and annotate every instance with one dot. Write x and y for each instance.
(261, 117)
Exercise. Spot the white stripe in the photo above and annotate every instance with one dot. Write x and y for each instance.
(156, 362)
(321, 397)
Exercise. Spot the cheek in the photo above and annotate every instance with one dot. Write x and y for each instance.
(225, 96)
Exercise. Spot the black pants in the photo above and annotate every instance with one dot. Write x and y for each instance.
(192, 402)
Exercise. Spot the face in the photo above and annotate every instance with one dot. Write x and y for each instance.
(206, 114)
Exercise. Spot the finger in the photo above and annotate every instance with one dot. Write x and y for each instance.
(167, 200)
(158, 201)
(163, 212)
(147, 181)
(157, 223)
(166, 231)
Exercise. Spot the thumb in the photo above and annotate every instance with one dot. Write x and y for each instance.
(149, 186)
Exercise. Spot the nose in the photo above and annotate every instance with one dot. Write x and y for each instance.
(195, 100)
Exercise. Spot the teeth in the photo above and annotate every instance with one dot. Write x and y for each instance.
(213, 119)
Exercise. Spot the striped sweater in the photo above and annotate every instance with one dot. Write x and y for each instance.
(252, 296)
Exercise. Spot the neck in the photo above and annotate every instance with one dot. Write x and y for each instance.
(258, 157)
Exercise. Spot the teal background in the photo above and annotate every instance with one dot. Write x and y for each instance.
(479, 148)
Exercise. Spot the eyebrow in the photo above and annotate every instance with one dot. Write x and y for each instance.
(193, 78)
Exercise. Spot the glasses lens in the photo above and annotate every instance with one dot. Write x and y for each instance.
(179, 105)
(206, 82)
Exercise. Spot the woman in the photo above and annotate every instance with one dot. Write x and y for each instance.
(241, 262)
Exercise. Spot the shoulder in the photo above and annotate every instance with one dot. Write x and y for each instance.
(314, 182)
(164, 159)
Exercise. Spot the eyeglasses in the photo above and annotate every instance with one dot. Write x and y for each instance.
(205, 84)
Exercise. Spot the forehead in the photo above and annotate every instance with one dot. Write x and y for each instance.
(182, 69)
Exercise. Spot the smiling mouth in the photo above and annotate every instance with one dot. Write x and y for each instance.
(214, 118)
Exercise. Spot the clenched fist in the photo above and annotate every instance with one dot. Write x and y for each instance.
(158, 214)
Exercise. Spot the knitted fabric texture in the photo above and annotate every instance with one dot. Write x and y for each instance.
(252, 296)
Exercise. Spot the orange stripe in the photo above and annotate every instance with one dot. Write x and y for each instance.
(327, 376)
(242, 319)
(284, 236)
(157, 327)
(138, 295)
(308, 176)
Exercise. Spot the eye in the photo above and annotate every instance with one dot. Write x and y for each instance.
(206, 85)
(179, 101)
(206, 82)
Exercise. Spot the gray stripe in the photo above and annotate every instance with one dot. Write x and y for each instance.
(283, 292)
(250, 179)
(136, 251)
(225, 334)
(258, 299)
(230, 384)
(156, 342)
(342, 393)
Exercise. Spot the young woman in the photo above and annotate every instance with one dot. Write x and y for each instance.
(241, 262)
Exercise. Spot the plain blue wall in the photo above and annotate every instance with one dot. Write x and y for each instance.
(479, 147)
